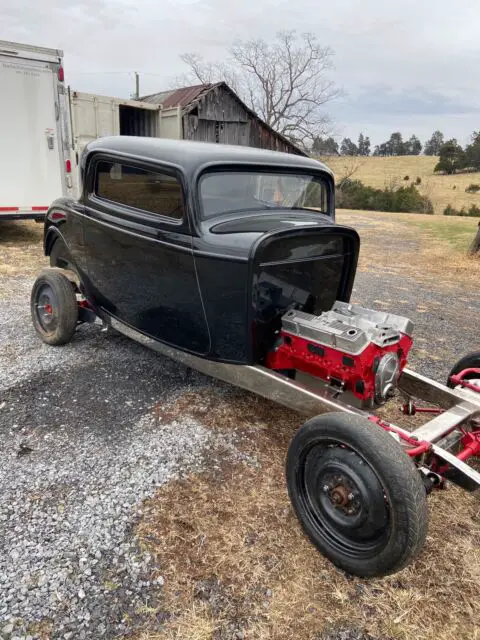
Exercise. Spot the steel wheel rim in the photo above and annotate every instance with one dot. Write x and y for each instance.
(357, 526)
(46, 308)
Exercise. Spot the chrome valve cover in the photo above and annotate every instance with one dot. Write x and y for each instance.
(348, 327)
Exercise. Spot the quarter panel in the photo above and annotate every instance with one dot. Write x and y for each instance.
(64, 221)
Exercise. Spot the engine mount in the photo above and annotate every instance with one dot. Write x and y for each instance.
(349, 347)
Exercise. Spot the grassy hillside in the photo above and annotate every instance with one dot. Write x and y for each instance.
(380, 172)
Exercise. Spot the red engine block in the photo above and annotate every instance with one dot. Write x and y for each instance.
(354, 373)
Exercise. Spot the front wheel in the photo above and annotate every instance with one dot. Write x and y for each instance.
(54, 309)
(358, 496)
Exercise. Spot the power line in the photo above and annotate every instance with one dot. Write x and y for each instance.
(101, 73)
(95, 73)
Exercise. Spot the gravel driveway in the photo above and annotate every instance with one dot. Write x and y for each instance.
(82, 447)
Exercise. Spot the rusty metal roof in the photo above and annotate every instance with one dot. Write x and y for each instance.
(177, 97)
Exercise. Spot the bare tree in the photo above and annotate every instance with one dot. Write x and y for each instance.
(348, 171)
(205, 72)
(285, 82)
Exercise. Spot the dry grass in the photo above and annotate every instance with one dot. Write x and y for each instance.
(382, 172)
(427, 248)
(21, 249)
(234, 557)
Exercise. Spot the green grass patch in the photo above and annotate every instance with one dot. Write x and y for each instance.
(458, 233)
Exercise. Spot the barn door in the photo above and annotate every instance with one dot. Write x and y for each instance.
(232, 132)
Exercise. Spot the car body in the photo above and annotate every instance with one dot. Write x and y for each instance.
(207, 279)
(229, 261)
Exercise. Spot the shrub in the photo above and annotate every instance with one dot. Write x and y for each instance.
(473, 188)
(450, 211)
(406, 178)
(353, 194)
(473, 212)
(418, 180)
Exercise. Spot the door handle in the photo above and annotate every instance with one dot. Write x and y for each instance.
(50, 137)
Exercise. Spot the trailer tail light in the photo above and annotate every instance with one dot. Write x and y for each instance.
(68, 166)
(61, 75)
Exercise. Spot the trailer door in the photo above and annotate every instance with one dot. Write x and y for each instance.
(31, 170)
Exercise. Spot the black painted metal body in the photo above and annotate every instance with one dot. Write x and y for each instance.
(213, 286)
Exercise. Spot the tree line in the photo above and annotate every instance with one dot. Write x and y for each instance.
(394, 146)
(452, 156)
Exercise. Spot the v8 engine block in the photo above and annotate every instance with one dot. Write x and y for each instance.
(349, 347)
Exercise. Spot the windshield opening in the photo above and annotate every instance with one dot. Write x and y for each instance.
(235, 191)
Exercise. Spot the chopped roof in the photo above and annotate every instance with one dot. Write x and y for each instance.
(192, 155)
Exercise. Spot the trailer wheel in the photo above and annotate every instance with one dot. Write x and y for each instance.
(470, 361)
(54, 309)
(358, 496)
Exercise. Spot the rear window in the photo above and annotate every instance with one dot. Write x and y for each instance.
(151, 191)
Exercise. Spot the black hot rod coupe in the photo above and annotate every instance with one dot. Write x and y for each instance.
(228, 259)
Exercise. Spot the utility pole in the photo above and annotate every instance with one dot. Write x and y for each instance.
(137, 86)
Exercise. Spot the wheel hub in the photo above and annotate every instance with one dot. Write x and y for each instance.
(46, 308)
(346, 500)
(342, 495)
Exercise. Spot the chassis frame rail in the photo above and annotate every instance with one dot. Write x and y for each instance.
(461, 404)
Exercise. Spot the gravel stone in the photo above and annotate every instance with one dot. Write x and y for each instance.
(68, 508)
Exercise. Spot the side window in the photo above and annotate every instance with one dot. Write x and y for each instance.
(150, 191)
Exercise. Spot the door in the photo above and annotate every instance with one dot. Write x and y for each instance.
(30, 153)
(139, 256)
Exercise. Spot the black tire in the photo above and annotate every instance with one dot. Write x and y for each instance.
(381, 524)
(53, 306)
(470, 361)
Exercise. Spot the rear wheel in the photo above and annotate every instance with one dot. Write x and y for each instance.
(470, 361)
(54, 307)
(358, 496)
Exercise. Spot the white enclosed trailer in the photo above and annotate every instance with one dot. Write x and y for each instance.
(95, 116)
(34, 130)
(45, 125)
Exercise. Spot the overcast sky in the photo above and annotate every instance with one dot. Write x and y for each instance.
(412, 66)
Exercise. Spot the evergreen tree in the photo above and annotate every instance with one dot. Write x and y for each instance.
(363, 145)
(433, 146)
(452, 157)
(348, 148)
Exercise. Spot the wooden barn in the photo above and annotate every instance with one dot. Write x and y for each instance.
(214, 113)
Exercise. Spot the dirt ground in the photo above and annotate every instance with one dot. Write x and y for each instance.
(233, 561)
